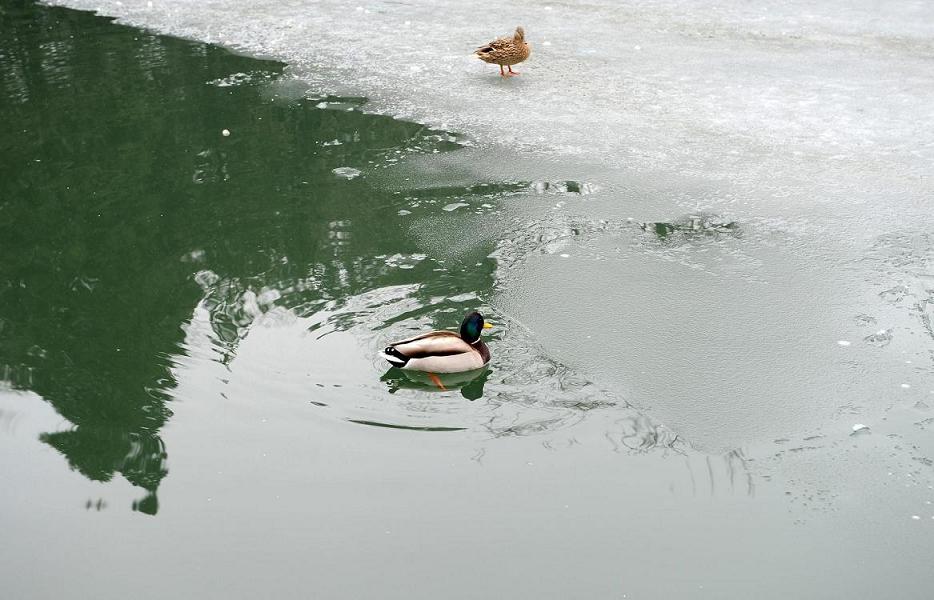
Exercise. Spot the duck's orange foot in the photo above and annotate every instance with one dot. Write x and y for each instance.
(434, 379)
(511, 72)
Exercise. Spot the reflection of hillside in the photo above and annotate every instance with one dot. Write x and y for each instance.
(116, 186)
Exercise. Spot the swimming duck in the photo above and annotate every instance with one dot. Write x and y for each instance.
(443, 351)
(505, 52)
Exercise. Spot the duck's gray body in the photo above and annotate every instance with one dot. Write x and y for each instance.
(437, 352)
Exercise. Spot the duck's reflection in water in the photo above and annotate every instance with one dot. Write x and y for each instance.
(469, 383)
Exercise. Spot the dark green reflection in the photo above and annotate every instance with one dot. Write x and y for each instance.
(693, 226)
(470, 383)
(117, 186)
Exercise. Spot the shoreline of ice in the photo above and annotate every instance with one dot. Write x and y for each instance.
(772, 99)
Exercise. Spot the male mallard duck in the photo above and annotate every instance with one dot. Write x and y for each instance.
(505, 52)
(443, 351)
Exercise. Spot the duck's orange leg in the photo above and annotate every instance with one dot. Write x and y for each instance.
(434, 379)
(511, 72)
(502, 73)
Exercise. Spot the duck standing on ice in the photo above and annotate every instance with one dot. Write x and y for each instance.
(505, 52)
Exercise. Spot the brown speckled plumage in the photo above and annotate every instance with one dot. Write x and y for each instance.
(505, 52)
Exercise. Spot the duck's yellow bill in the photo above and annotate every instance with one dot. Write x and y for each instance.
(488, 326)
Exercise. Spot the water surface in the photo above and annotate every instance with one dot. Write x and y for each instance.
(202, 252)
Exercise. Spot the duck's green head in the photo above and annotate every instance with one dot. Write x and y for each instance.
(472, 326)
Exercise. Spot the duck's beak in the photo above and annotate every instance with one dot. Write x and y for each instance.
(488, 326)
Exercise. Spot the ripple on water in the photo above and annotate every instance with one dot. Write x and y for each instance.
(283, 348)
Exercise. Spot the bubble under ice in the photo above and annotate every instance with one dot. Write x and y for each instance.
(346, 172)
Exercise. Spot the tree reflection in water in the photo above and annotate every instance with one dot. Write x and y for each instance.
(116, 185)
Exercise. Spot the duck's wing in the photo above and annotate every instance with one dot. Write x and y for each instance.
(435, 343)
(435, 352)
(498, 48)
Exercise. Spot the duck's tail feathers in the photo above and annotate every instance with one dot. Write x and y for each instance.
(395, 358)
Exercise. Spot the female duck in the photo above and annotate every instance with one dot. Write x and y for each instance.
(443, 351)
(505, 52)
